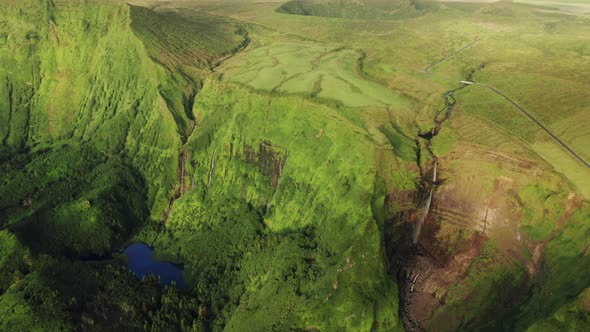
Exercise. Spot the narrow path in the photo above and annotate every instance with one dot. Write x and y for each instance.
(427, 69)
(530, 116)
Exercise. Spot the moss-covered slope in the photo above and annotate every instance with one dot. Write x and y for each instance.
(278, 209)
(280, 224)
(76, 74)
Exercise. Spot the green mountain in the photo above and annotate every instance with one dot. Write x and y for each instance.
(312, 165)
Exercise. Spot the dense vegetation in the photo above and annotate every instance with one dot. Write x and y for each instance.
(261, 223)
(90, 152)
(282, 152)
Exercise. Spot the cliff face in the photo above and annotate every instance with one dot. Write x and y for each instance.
(284, 199)
(501, 245)
(287, 211)
(272, 202)
(75, 74)
(81, 116)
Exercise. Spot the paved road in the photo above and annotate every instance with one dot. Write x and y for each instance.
(530, 116)
(427, 69)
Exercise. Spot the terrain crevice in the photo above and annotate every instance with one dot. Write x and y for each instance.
(414, 262)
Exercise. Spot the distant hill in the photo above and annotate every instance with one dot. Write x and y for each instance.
(359, 9)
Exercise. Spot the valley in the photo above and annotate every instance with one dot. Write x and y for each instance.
(298, 165)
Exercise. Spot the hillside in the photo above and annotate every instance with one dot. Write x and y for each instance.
(91, 145)
(308, 165)
(352, 9)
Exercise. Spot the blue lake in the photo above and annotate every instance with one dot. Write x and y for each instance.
(142, 264)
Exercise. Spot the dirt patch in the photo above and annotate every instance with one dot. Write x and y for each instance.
(443, 277)
(423, 305)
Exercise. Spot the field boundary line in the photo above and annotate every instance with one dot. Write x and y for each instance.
(532, 118)
(427, 69)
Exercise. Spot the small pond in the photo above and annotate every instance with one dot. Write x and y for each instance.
(142, 264)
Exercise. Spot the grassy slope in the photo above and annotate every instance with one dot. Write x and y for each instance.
(76, 106)
(281, 240)
(314, 239)
(90, 147)
(311, 69)
(398, 51)
(371, 9)
(74, 84)
(187, 47)
(437, 33)
(572, 316)
(401, 69)
(129, 123)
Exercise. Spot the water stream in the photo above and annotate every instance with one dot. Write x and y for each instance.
(429, 135)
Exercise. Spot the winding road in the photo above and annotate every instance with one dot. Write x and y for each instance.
(530, 116)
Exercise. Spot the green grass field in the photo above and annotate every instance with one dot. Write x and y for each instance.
(313, 70)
